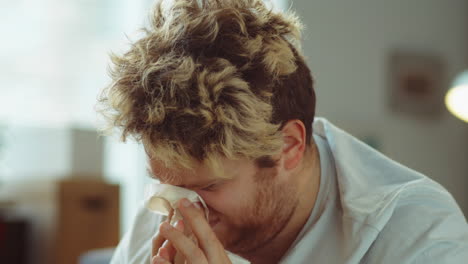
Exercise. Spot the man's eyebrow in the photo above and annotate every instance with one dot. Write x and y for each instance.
(163, 176)
(195, 185)
(203, 184)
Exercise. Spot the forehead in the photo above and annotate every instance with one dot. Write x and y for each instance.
(200, 173)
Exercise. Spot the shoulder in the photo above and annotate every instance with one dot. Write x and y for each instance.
(135, 246)
(426, 226)
(413, 219)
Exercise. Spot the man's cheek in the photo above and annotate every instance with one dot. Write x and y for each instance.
(216, 202)
(225, 205)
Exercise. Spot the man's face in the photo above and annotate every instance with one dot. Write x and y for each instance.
(246, 211)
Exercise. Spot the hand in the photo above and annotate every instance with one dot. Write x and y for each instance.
(162, 247)
(208, 251)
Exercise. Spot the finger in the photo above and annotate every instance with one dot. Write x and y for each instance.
(171, 250)
(171, 214)
(158, 241)
(180, 225)
(163, 252)
(183, 244)
(167, 251)
(195, 219)
(159, 260)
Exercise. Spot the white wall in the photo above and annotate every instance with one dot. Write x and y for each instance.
(32, 153)
(347, 43)
(38, 153)
(53, 64)
(125, 163)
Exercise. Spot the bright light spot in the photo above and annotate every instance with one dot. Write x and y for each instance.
(457, 101)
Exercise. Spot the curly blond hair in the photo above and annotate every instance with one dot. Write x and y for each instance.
(211, 79)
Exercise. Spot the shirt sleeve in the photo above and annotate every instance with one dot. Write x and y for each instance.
(118, 257)
(135, 246)
(426, 227)
(447, 252)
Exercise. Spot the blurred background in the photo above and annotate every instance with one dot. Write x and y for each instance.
(381, 69)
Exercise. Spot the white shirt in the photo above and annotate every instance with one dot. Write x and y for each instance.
(369, 209)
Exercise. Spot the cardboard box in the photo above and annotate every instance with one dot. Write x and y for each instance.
(87, 218)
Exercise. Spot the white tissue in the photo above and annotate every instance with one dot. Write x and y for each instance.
(163, 198)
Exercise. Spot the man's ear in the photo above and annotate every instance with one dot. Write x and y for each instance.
(294, 143)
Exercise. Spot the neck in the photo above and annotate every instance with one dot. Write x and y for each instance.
(308, 183)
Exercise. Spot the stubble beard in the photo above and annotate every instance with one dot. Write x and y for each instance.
(263, 218)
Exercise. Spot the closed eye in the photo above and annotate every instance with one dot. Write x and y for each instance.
(210, 187)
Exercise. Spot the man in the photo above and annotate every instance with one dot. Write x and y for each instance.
(219, 94)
